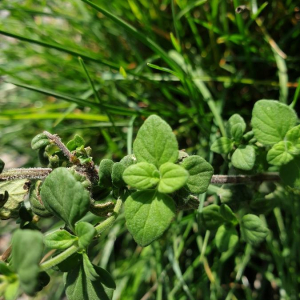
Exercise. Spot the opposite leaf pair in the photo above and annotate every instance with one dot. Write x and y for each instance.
(149, 211)
(243, 156)
(169, 178)
(273, 125)
(222, 219)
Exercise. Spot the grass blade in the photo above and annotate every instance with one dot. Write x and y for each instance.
(46, 116)
(94, 90)
(81, 102)
(60, 48)
(296, 95)
(139, 35)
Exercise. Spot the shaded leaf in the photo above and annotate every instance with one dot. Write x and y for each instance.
(211, 217)
(2, 164)
(222, 145)
(88, 267)
(117, 175)
(105, 170)
(64, 196)
(290, 173)
(85, 232)
(200, 172)
(36, 202)
(25, 261)
(226, 238)
(253, 229)
(228, 214)
(79, 287)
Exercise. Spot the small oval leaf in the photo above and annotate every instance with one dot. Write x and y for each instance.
(253, 229)
(141, 176)
(271, 120)
(222, 145)
(173, 177)
(244, 158)
(155, 142)
(148, 215)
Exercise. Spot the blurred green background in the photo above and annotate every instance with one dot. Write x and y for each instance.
(194, 63)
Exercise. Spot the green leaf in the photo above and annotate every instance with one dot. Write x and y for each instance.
(79, 286)
(105, 278)
(88, 267)
(293, 136)
(141, 176)
(155, 142)
(64, 196)
(85, 232)
(244, 157)
(253, 229)
(237, 132)
(290, 173)
(117, 175)
(148, 215)
(271, 120)
(36, 204)
(228, 214)
(17, 190)
(76, 142)
(105, 170)
(222, 145)
(279, 154)
(25, 261)
(128, 160)
(5, 269)
(173, 177)
(211, 217)
(12, 290)
(236, 126)
(60, 239)
(69, 263)
(39, 141)
(43, 280)
(200, 172)
(226, 238)
(235, 193)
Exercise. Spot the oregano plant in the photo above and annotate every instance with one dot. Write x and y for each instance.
(154, 183)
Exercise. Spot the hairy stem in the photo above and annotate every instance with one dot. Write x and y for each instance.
(75, 248)
(41, 173)
(22, 173)
(56, 139)
(223, 179)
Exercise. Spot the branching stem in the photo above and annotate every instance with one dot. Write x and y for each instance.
(57, 141)
(75, 248)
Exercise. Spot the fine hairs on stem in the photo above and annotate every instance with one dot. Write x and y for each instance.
(41, 173)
